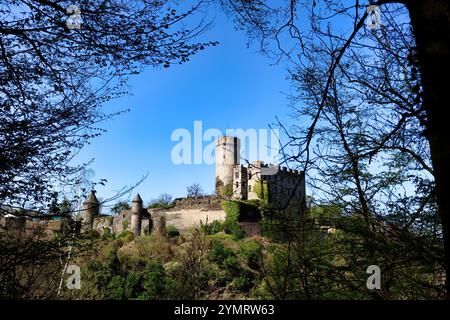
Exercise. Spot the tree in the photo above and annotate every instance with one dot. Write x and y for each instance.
(163, 201)
(119, 207)
(195, 190)
(55, 77)
(372, 95)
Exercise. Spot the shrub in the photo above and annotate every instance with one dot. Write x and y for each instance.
(125, 236)
(262, 191)
(214, 227)
(155, 282)
(124, 287)
(227, 191)
(218, 253)
(158, 205)
(231, 209)
(125, 224)
(120, 207)
(231, 263)
(107, 234)
(244, 282)
(172, 231)
(224, 257)
(249, 210)
(252, 252)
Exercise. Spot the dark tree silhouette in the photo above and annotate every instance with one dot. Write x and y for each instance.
(120, 206)
(56, 71)
(400, 67)
(54, 77)
(164, 199)
(194, 190)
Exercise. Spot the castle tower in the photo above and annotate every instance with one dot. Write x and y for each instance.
(136, 215)
(228, 151)
(91, 209)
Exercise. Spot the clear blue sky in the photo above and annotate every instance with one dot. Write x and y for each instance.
(225, 86)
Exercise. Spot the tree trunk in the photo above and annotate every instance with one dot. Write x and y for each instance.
(430, 20)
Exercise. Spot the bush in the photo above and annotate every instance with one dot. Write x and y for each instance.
(158, 205)
(125, 224)
(107, 234)
(252, 252)
(224, 257)
(231, 264)
(249, 210)
(230, 224)
(155, 282)
(244, 282)
(262, 191)
(215, 227)
(126, 287)
(218, 253)
(172, 231)
(227, 191)
(125, 236)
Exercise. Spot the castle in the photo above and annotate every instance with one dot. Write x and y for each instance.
(282, 188)
(279, 187)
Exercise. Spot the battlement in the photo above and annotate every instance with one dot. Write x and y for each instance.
(245, 182)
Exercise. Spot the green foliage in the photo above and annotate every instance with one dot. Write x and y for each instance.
(218, 253)
(124, 287)
(66, 206)
(231, 264)
(237, 211)
(120, 207)
(224, 257)
(157, 205)
(244, 282)
(248, 210)
(212, 228)
(231, 209)
(107, 234)
(155, 282)
(125, 224)
(163, 202)
(262, 191)
(251, 250)
(325, 214)
(125, 236)
(227, 191)
(281, 226)
(172, 231)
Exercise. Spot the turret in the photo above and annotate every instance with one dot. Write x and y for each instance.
(227, 157)
(91, 209)
(136, 215)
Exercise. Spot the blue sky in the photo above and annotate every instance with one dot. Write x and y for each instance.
(228, 86)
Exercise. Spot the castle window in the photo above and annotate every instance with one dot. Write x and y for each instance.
(237, 175)
(249, 188)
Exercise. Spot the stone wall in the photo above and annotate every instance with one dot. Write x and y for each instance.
(121, 222)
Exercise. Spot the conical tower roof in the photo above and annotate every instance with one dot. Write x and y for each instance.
(137, 198)
(91, 198)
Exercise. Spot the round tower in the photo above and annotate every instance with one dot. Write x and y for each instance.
(228, 151)
(136, 215)
(91, 209)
